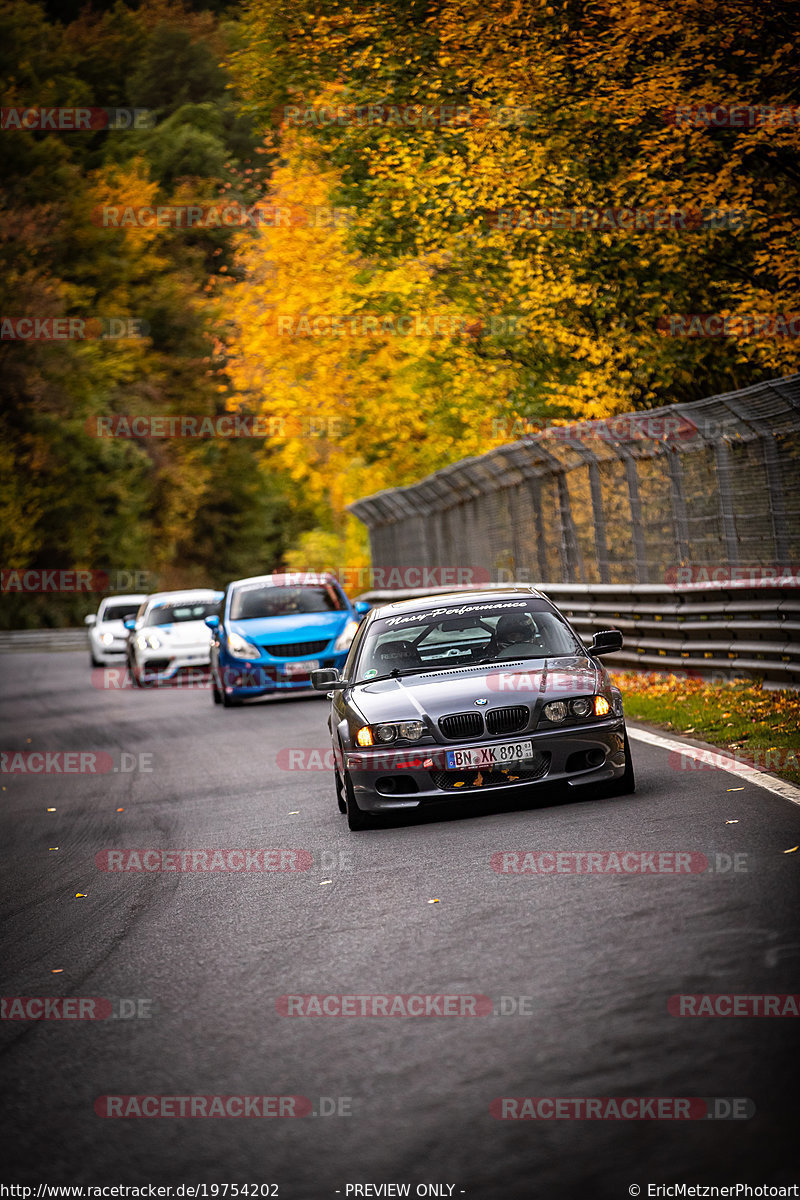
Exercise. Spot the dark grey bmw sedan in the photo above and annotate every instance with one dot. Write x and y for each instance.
(446, 696)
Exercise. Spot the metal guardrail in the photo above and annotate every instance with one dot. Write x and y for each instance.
(719, 630)
(15, 640)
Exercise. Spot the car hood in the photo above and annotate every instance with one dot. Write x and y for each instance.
(438, 693)
(302, 627)
(116, 627)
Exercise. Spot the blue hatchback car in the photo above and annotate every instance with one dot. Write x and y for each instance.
(275, 630)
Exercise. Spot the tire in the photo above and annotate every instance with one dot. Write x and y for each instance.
(340, 800)
(215, 692)
(94, 661)
(357, 819)
(626, 784)
(135, 679)
(229, 701)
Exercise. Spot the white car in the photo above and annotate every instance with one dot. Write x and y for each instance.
(169, 635)
(108, 636)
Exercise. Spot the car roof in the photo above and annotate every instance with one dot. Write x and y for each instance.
(288, 579)
(446, 599)
(187, 594)
(126, 598)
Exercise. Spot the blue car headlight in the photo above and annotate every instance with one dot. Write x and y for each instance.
(345, 638)
(239, 648)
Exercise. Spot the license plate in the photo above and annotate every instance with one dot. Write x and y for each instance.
(489, 756)
(301, 668)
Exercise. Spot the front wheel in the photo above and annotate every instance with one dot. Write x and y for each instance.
(136, 679)
(357, 819)
(340, 800)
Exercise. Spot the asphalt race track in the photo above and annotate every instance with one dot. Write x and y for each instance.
(202, 958)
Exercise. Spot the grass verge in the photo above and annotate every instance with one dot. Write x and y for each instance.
(752, 726)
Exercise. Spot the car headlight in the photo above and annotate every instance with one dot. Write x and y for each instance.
(149, 641)
(239, 648)
(106, 638)
(383, 734)
(345, 638)
(583, 706)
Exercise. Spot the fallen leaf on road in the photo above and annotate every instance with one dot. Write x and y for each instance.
(80, 895)
(51, 810)
(792, 850)
(322, 882)
(734, 789)
(434, 902)
(295, 813)
(731, 822)
(56, 970)
(120, 810)
(52, 847)
(690, 730)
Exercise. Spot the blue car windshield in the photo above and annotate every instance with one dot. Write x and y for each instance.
(464, 635)
(249, 603)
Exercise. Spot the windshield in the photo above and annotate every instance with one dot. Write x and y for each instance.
(255, 601)
(193, 610)
(464, 635)
(119, 612)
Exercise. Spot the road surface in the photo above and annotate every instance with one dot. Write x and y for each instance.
(579, 968)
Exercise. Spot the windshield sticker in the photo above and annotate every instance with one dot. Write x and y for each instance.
(455, 611)
(370, 674)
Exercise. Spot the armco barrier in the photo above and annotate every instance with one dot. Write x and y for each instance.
(43, 639)
(722, 630)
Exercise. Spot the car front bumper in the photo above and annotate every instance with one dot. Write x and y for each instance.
(242, 678)
(108, 655)
(163, 664)
(579, 756)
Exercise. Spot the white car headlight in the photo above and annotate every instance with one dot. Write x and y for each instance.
(149, 641)
(345, 638)
(239, 648)
(106, 638)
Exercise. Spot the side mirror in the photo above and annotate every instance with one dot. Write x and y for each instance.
(326, 679)
(606, 642)
(90, 620)
(212, 622)
(130, 623)
(362, 607)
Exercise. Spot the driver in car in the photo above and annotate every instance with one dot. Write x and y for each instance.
(511, 630)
